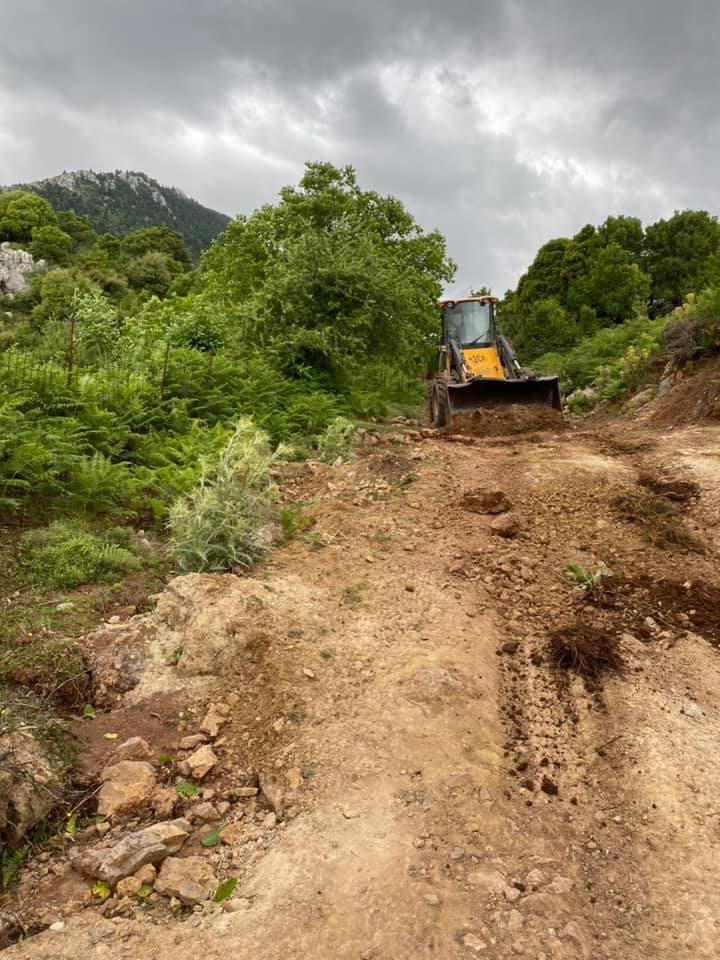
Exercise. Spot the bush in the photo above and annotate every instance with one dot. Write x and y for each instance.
(336, 440)
(219, 526)
(66, 554)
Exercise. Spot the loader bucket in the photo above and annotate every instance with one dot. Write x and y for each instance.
(484, 391)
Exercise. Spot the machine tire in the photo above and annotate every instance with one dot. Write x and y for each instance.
(439, 403)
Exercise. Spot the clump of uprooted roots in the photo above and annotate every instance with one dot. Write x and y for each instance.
(586, 650)
(657, 518)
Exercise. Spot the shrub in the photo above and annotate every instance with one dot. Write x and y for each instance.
(336, 440)
(66, 554)
(694, 327)
(219, 525)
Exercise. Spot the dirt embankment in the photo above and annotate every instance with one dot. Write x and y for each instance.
(431, 740)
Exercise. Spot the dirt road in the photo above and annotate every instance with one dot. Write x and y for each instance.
(452, 786)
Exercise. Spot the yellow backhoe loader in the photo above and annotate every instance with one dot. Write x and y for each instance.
(477, 364)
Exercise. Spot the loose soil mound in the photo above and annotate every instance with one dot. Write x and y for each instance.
(690, 605)
(498, 421)
(693, 397)
(586, 650)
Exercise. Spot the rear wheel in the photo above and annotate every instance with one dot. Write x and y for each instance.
(439, 403)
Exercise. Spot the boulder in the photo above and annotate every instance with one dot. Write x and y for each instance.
(151, 845)
(126, 786)
(133, 749)
(29, 786)
(16, 267)
(189, 879)
(201, 762)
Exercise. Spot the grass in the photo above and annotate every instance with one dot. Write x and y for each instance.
(354, 592)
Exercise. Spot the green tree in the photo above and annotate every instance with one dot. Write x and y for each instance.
(681, 254)
(22, 215)
(546, 327)
(56, 289)
(616, 283)
(151, 272)
(50, 243)
(332, 276)
(78, 227)
(157, 240)
(626, 232)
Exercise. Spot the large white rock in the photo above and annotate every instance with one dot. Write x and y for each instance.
(16, 267)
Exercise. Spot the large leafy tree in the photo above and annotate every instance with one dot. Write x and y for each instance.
(24, 213)
(681, 254)
(157, 240)
(331, 276)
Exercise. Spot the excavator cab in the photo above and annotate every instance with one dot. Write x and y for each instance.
(477, 365)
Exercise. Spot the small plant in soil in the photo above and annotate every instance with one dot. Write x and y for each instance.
(587, 580)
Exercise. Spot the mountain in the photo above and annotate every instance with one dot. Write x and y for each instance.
(126, 200)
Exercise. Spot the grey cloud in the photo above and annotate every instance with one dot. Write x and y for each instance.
(502, 122)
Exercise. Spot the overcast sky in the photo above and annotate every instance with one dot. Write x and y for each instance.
(501, 122)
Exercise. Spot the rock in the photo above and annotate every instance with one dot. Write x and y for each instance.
(217, 716)
(535, 879)
(151, 845)
(491, 501)
(28, 785)
(515, 921)
(474, 943)
(189, 879)
(510, 647)
(432, 899)
(691, 709)
(269, 821)
(127, 887)
(10, 929)
(16, 267)
(195, 740)
(573, 931)
(205, 813)
(511, 894)
(549, 786)
(65, 606)
(163, 802)
(561, 885)
(146, 875)
(244, 793)
(507, 526)
(201, 762)
(133, 749)
(57, 927)
(233, 834)
(272, 791)
(126, 786)
(490, 880)
(310, 674)
(294, 778)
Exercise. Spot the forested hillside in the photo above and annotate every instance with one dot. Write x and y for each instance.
(124, 201)
(592, 307)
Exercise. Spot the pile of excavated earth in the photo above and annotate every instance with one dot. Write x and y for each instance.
(471, 711)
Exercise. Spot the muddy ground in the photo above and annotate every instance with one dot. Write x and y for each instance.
(478, 753)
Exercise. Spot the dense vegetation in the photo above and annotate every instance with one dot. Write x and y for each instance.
(592, 307)
(125, 371)
(125, 201)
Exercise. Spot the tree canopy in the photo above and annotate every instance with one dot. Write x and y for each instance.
(332, 274)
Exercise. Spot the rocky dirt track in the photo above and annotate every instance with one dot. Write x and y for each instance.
(460, 753)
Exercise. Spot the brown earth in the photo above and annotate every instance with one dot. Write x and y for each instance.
(452, 785)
